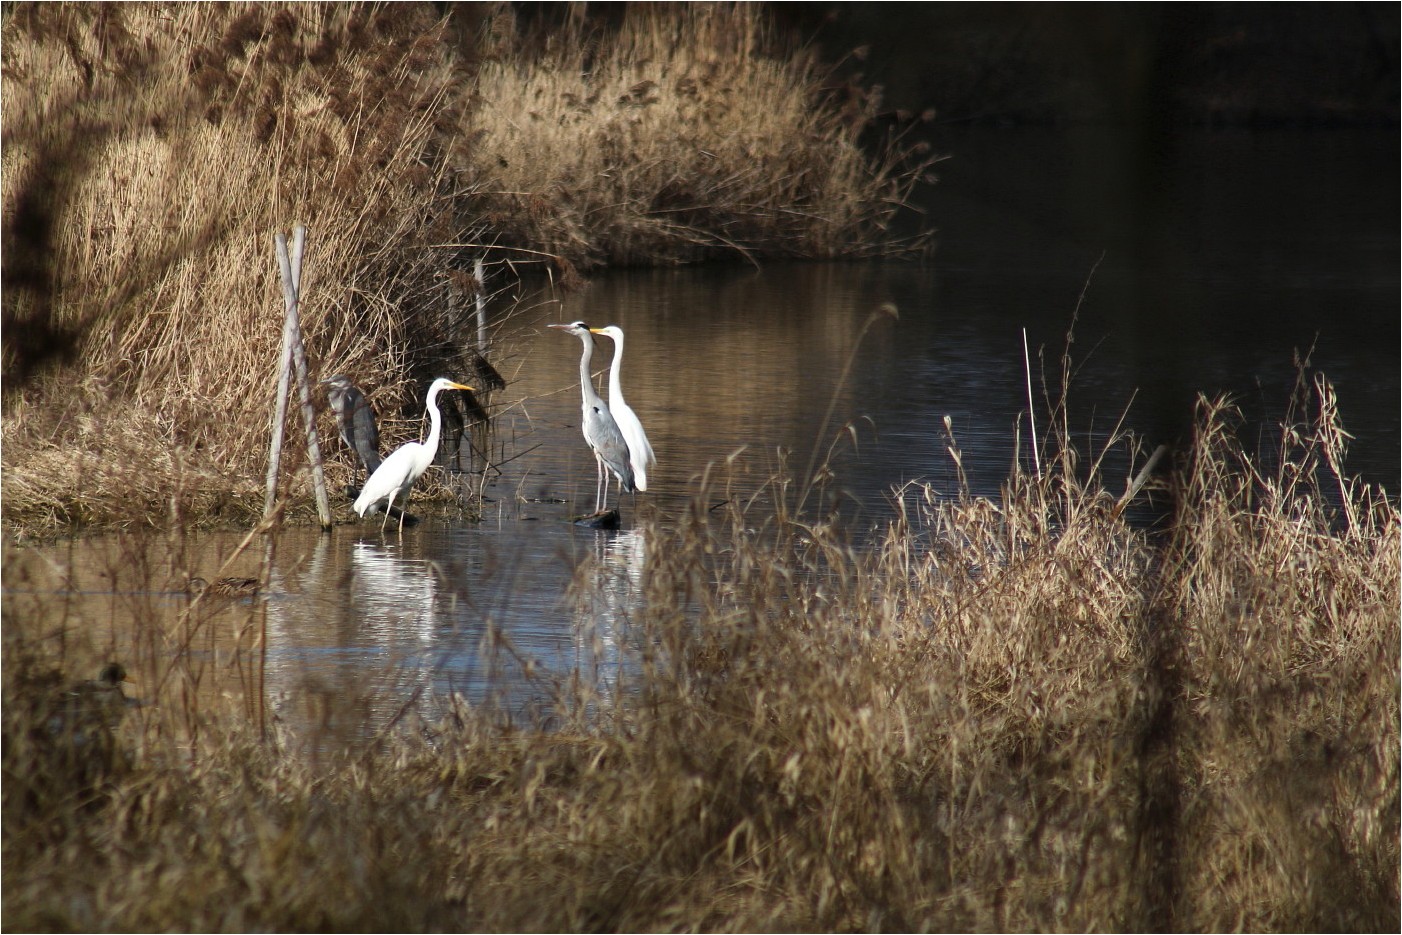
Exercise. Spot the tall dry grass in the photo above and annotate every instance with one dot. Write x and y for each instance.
(681, 135)
(152, 151)
(1012, 714)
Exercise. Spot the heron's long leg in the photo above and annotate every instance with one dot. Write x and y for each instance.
(401, 513)
(600, 482)
(385, 519)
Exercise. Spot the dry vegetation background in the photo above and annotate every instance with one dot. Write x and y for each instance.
(152, 151)
(1019, 714)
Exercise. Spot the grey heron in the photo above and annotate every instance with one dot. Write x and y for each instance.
(356, 420)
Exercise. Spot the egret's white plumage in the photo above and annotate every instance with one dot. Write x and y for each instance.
(600, 429)
(640, 455)
(396, 475)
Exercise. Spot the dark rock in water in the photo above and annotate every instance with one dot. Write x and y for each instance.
(608, 519)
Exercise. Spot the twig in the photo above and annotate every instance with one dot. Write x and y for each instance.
(1031, 416)
(886, 309)
(1133, 487)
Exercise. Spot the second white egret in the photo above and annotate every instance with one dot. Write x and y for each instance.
(640, 454)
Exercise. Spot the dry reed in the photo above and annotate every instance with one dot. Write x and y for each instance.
(682, 135)
(1010, 714)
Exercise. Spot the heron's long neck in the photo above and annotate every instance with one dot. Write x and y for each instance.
(435, 423)
(586, 385)
(615, 384)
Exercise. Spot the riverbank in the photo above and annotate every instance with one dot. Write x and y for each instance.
(152, 152)
(1017, 713)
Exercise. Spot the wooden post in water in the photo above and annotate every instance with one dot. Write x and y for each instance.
(294, 355)
(479, 271)
(292, 295)
(284, 376)
(1031, 409)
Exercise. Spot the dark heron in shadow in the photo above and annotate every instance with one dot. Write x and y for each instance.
(355, 418)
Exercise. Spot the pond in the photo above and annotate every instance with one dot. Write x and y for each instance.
(1246, 250)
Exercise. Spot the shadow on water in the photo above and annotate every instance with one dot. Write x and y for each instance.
(1265, 255)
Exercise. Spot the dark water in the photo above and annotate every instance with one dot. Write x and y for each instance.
(1205, 275)
(1215, 260)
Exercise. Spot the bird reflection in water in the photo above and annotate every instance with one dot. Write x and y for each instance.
(348, 657)
(609, 597)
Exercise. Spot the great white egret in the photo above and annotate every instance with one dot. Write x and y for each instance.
(356, 420)
(600, 430)
(394, 478)
(640, 455)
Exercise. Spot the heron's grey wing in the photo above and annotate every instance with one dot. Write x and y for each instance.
(337, 395)
(365, 431)
(603, 435)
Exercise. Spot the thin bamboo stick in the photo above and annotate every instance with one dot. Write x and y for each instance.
(291, 290)
(1031, 414)
(479, 270)
(279, 415)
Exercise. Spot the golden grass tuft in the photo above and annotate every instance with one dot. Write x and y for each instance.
(1011, 714)
(684, 134)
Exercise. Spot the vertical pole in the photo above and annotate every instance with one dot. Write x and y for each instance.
(270, 496)
(479, 271)
(1031, 413)
(279, 415)
(291, 283)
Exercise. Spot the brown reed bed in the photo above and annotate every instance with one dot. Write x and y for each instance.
(1012, 714)
(677, 137)
(152, 151)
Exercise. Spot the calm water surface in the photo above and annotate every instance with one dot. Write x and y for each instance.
(1244, 250)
